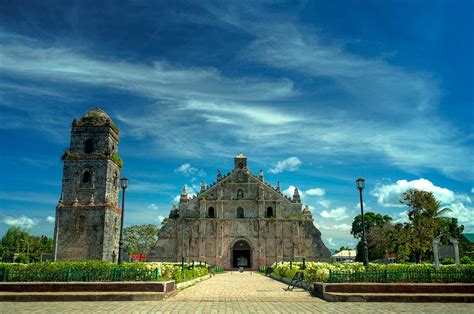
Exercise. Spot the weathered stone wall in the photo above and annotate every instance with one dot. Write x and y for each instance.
(82, 234)
(88, 216)
(211, 240)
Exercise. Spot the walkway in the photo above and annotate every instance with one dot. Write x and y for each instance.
(236, 293)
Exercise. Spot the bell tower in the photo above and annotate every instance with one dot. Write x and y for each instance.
(88, 213)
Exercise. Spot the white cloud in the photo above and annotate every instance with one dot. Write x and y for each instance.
(324, 203)
(50, 219)
(161, 218)
(176, 199)
(337, 214)
(331, 242)
(289, 164)
(187, 170)
(342, 227)
(389, 195)
(472, 190)
(401, 217)
(460, 204)
(289, 191)
(152, 206)
(315, 192)
(22, 221)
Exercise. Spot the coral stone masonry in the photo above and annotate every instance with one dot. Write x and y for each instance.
(239, 221)
(88, 213)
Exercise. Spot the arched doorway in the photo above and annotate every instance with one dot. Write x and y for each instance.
(241, 254)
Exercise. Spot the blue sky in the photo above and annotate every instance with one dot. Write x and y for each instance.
(315, 93)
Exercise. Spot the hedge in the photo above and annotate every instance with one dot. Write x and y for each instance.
(100, 271)
(319, 272)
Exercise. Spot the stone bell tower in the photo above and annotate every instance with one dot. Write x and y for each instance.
(88, 213)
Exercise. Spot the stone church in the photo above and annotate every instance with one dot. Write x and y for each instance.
(240, 221)
(88, 213)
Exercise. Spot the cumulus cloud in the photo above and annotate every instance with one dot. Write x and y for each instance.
(161, 218)
(460, 204)
(331, 242)
(342, 227)
(22, 221)
(315, 192)
(289, 164)
(324, 203)
(389, 195)
(187, 170)
(152, 206)
(338, 213)
(50, 219)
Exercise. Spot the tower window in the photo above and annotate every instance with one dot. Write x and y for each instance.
(211, 213)
(88, 146)
(240, 212)
(86, 177)
(269, 213)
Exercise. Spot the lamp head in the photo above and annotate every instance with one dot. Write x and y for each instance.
(360, 183)
(124, 183)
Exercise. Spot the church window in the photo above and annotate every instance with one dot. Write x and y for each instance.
(116, 185)
(211, 212)
(89, 146)
(86, 177)
(240, 194)
(240, 212)
(269, 213)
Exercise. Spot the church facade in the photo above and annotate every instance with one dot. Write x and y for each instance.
(240, 221)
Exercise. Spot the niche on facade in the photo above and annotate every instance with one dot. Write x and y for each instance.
(211, 213)
(240, 194)
(240, 212)
(89, 146)
(269, 213)
(86, 180)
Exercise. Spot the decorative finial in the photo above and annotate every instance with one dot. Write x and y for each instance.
(261, 175)
(296, 196)
(278, 186)
(203, 186)
(219, 175)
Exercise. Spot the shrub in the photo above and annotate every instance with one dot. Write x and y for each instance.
(447, 261)
(100, 271)
(319, 272)
(466, 260)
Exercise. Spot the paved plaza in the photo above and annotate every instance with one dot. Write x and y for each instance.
(235, 293)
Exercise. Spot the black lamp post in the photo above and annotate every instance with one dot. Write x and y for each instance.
(365, 251)
(124, 185)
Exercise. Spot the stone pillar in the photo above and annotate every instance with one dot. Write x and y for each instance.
(456, 251)
(436, 251)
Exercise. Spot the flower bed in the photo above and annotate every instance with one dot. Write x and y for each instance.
(356, 272)
(100, 271)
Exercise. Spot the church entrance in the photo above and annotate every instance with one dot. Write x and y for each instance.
(241, 256)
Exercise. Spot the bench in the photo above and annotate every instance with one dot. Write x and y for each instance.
(298, 278)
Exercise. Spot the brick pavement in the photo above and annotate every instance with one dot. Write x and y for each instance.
(235, 293)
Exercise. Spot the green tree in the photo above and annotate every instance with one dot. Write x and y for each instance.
(141, 239)
(425, 217)
(371, 220)
(342, 248)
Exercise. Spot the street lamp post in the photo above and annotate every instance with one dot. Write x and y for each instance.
(124, 185)
(360, 187)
